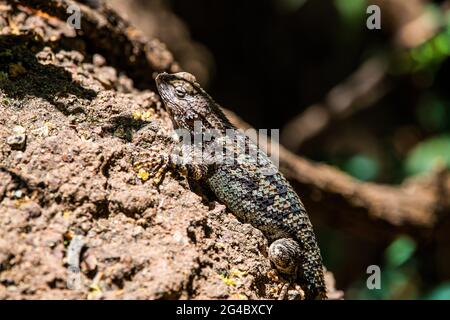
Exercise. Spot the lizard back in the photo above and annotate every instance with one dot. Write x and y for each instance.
(251, 186)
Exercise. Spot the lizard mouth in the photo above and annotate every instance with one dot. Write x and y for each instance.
(162, 82)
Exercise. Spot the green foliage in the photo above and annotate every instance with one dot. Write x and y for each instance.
(441, 292)
(433, 113)
(396, 283)
(3, 76)
(399, 271)
(429, 154)
(399, 275)
(430, 54)
(362, 167)
(399, 251)
(333, 246)
(351, 11)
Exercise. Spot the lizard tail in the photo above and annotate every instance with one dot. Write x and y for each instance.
(311, 271)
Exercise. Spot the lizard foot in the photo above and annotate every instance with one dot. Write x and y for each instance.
(154, 167)
(285, 289)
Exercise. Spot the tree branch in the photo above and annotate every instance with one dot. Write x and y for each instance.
(361, 90)
(368, 83)
(369, 210)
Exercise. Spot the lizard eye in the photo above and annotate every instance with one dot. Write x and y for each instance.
(180, 91)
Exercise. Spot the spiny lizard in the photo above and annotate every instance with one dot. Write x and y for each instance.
(250, 185)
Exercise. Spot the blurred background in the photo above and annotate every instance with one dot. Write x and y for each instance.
(373, 103)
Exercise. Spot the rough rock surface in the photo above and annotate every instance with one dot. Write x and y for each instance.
(73, 178)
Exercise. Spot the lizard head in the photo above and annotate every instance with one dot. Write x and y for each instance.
(187, 102)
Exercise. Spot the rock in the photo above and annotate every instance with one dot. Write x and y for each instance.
(32, 208)
(18, 139)
(98, 60)
(91, 263)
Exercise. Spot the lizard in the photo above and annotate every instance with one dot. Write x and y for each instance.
(246, 181)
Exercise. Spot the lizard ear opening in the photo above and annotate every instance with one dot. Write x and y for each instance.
(186, 76)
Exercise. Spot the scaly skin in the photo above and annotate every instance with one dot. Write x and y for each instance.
(251, 186)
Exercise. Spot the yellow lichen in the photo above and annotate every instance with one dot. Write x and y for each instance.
(238, 273)
(144, 116)
(137, 115)
(220, 245)
(227, 281)
(143, 175)
(66, 214)
(147, 115)
(95, 291)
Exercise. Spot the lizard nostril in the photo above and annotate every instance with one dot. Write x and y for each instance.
(161, 76)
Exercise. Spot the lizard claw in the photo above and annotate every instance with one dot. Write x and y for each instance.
(283, 292)
(155, 168)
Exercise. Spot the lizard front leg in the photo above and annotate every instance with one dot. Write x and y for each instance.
(187, 164)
